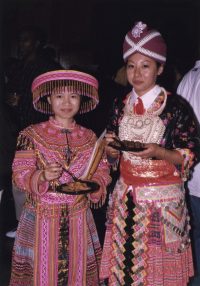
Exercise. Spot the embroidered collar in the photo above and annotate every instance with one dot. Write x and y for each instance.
(59, 125)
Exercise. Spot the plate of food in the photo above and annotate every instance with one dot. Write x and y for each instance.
(79, 187)
(125, 145)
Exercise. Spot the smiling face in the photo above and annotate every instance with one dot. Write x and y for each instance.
(142, 73)
(65, 105)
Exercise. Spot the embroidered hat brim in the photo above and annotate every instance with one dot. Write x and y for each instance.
(56, 81)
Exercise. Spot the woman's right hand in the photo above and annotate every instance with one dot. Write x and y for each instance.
(51, 172)
(110, 151)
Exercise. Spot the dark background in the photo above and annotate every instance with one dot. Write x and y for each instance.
(92, 31)
(90, 34)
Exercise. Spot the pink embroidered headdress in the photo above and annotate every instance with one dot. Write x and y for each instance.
(56, 81)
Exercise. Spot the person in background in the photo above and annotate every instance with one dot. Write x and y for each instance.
(56, 241)
(189, 88)
(19, 75)
(155, 140)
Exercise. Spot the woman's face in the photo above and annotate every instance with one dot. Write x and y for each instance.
(142, 73)
(65, 105)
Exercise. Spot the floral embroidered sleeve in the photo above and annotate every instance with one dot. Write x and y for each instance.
(25, 171)
(115, 115)
(182, 133)
(188, 160)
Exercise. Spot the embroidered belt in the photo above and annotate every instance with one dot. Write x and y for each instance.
(53, 210)
(158, 193)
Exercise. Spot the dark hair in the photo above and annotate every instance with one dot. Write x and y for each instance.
(158, 64)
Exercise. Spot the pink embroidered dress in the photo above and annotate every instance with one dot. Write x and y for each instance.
(56, 242)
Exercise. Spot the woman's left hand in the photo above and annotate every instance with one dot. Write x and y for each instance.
(152, 150)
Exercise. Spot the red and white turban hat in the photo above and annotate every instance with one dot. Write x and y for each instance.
(56, 81)
(145, 41)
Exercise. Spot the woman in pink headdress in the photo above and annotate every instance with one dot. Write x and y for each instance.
(56, 241)
(154, 138)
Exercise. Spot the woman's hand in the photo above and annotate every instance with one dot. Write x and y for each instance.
(110, 151)
(51, 172)
(153, 150)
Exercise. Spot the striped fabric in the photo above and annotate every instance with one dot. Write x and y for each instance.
(143, 243)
